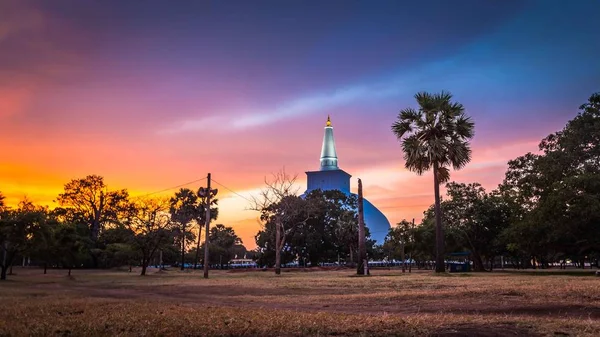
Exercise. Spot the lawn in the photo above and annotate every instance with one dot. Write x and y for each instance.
(318, 303)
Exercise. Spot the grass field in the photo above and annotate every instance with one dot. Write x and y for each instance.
(320, 303)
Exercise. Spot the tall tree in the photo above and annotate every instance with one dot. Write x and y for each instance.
(557, 193)
(70, 246)
(151, 227)
(184, 210)
(44, 244)
(477, 220)
(322, 226)
(223, 240)
(88, 200)
(436, 136)
(397, 241)
(278, 204)
(17, 228)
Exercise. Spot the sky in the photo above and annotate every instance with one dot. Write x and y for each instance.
(154, 94)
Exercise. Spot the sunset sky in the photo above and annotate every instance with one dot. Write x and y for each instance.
(153, 94)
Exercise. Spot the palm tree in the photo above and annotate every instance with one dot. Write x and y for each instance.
(435, 137)
(184, 209)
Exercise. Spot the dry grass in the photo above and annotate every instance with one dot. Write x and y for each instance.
(317, 303)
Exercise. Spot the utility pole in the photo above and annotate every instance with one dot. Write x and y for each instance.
(208, 193)
(363, 264)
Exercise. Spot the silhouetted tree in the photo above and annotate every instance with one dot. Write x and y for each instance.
(184, 209)
(151, 226)
(17, 228)
(223, 241)
(436, 136)
(278, 204)
(88, 200)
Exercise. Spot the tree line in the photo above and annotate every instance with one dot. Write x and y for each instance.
(546, 211)
(95, 227)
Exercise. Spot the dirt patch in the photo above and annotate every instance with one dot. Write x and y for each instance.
(500, 330)
(548, 309)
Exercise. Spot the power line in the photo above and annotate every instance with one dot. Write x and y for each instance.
(230, 190)
(171, 188)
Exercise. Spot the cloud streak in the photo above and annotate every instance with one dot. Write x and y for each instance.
(488, 66)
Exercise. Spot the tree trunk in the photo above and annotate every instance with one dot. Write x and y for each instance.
(3, 273)
(440, 266)
(277, 248)
(183, 249)
(362, 268)
(10, 271)
(45, 268)
(477, 262)
(94, 259)
(69, 274)
(144, 266)
(403, 256)
(198, 247)
(160, 262)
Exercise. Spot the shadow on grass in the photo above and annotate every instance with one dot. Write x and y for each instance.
(543, 272)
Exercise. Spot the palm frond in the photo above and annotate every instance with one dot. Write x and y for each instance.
(465, 127)
(415, 156)
(460, 154)
(443, 174)
(438, 132)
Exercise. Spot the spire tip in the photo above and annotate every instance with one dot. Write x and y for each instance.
(328, 121)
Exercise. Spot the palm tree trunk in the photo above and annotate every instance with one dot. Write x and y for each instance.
(183, 248)
(439, 230)
(4, 261)
(145, 261)
(277, 249)
(198, 246)
(403, 256)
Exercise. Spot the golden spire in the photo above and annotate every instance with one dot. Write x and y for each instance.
(328, 121)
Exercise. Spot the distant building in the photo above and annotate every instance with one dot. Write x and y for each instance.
(331, 177)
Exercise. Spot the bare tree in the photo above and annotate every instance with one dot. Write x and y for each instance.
(277, 202)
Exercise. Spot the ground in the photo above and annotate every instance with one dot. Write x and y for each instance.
(318, 303)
